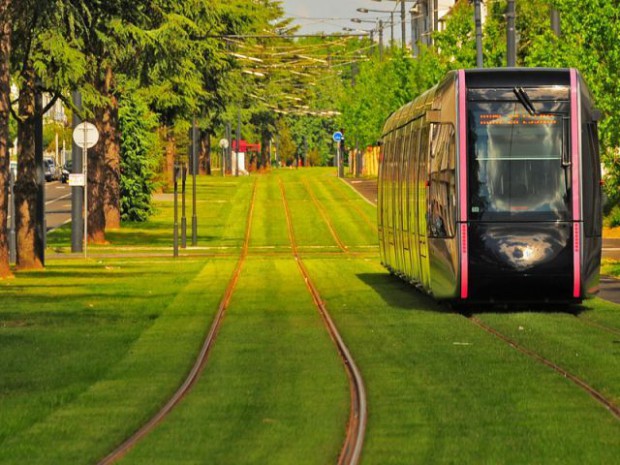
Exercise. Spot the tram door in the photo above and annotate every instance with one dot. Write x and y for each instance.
(423, 176)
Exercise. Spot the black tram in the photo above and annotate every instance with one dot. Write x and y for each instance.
(489, 188)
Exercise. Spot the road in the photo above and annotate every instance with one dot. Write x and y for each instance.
(57, 204)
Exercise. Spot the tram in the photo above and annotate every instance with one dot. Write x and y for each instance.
(489, 188)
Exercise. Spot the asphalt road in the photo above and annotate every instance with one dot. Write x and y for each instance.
(57, 204)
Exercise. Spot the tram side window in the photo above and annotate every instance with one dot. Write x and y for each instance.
(442, 199)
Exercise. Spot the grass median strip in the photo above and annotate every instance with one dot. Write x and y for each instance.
(110, 352)
(442, 391)
(275, 390)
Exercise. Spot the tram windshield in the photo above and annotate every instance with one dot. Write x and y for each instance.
(518, 160)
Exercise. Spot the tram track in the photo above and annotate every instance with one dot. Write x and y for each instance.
(576, 380)
(360, 212)
(593, 324)
(203, 355)
(352, 448)
(325, 217)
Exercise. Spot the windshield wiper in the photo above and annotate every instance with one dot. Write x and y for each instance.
(524, 99)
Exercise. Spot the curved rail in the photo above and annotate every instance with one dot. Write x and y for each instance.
(326, 219)
(594, 324)
(201, 360)
(597, 395)
(356, 429)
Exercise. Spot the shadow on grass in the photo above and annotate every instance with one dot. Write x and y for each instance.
(404, 296)
(398, 294)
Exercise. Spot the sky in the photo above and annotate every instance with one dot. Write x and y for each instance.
(331, 16)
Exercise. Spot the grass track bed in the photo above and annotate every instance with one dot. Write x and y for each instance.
(584, 351)
(115, 354)
(274, 390)
(442, 391)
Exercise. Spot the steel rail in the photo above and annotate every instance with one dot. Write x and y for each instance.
(594, 324)
(597, 395)
(326, 219)
(367, 220)
(201, 360)
(356, 429)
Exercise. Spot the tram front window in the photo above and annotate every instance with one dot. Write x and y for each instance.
(518, 161)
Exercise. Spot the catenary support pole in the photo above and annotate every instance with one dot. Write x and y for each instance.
(40, 226)
(194, 172)
(511, 35)
(478, 23)
(403, 25)
(77, 192)
(555, 22)
(175, 230)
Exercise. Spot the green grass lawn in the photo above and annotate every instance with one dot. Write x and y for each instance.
(90, 349)
(443, 391)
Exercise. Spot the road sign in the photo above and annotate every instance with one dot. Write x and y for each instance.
(76, 179)
(85, 135)
(224, 143)
(337, 136)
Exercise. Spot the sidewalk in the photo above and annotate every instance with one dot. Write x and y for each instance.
(610, 287)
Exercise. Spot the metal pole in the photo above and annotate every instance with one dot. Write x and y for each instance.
(555, 22)
(77, 193)
(228, 162)
(338, 159)
(40, 228)
(380, 40)
(511, 39)
(391, 28)
(175, 227)
(478, 22)
(403, 25)
(85, 164)
(238, 142)
(194, 171)
(183, 217)
(414, 45)
(12, 242)
(435, 15)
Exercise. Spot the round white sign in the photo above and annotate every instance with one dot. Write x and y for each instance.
(224, 143)
(85, 135)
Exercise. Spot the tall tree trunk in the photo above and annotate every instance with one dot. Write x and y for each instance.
(112, 155)
(96, 183)
(5, 97)
(205, 152)
(29, 244)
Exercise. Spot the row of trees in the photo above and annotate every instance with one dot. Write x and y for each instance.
(588, 42)
(141, 66)
(149, 69)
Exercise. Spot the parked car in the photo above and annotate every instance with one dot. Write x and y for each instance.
(50, 170)
(65, 171)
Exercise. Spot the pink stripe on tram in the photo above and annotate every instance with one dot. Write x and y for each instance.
(576, 185)
(462, 128)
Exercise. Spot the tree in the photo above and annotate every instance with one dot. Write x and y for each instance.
(46, 57)
(6, 24)
(139, 157)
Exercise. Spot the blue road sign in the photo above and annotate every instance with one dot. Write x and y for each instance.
(337, 136)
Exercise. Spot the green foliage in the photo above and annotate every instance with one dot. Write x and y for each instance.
(140, 155)
(613, 218)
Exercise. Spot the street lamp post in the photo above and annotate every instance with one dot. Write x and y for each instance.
(390, 12)
(511, 39)
(403, 19)
(478, 23)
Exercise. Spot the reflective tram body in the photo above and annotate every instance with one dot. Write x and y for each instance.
(489, 188)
